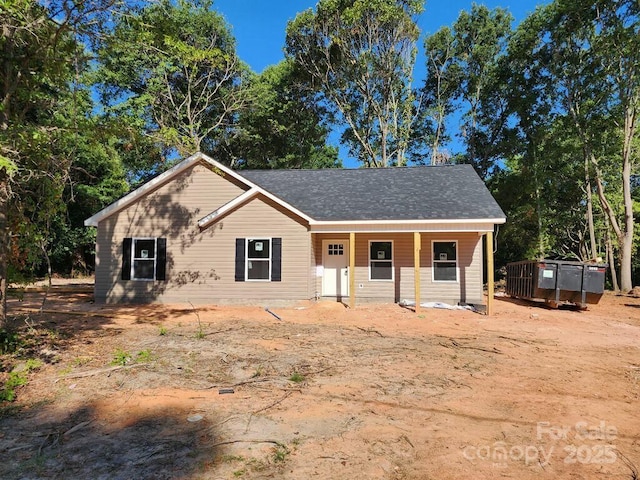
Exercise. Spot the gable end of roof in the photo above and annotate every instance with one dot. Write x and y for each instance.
(174, 171)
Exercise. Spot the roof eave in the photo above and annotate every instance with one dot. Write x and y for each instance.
(204, 222)
(129, 198)
(481, 225)
(165, 177)
(495, 221)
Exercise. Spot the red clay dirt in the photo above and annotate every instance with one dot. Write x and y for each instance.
(375, 392)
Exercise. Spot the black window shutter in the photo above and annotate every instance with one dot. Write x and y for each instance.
(126, 259)
(240, 259)
(161, 259)
(276, 259)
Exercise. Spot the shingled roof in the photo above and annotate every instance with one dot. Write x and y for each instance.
(446, 192)
(433, 193)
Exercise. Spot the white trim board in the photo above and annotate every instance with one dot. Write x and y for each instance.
(174, 171)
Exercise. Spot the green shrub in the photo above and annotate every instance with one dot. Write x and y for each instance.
(17, 378)
(8, 392)
(296, 378)
(121, 357)
(9, 341)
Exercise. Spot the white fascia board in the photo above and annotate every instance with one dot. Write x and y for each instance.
(397, 226)
(205, 221)
(256, 187)
(142, 190)
(173, 172)
(399, 222)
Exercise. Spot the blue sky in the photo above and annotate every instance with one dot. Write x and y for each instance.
(259, 25)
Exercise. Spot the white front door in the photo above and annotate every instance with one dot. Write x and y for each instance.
(335, 275)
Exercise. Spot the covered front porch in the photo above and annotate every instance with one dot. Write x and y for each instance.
(394, 264)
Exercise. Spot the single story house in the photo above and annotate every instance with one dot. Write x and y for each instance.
(203, 233)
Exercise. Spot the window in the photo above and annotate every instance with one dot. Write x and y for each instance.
(336, 249)
(445, 261)
(144, 258)
(258, 259)
(380, 260)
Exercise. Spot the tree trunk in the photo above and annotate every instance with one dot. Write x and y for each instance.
(534, 158)
(623, 236)
(541, 249)
(626, 238)
(612, 263)
(593, 254)
(4, 245)
(624, 231)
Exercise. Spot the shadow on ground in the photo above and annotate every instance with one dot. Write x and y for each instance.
(161, 444)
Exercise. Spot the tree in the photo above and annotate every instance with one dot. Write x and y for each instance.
(480, 41)
(464, 74)
(529, 100)
(572, 89)
(280, 126)
(360, 55)
(596, 61)
(173, 66)
(41, 63)
(441, 87)
(35, 52)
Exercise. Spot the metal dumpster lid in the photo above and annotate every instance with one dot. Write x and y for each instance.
(573, 262)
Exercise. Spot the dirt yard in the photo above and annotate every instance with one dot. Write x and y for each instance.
(326, 392)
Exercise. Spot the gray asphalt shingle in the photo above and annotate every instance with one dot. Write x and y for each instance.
(409, 193)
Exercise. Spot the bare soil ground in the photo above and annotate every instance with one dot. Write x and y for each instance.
(376, 392)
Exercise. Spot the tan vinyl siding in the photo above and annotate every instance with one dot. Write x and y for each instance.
(468, 288)
(386, 290)
(201, 264)
(313, 278)
(261, 219)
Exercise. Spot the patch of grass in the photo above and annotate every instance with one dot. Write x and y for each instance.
(259, 372)
(257, 465)
(32, 364)
(232, 458)
(163, 331)
(80, 361)
(200, 333)
(296, 377)
(121, 357)
(144, 356)
(8, 392)
(52, 335)
(9, 341)
(279, 454)
(17, 378)
(240, 473)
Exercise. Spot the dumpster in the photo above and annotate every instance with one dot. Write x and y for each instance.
(556, 281)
